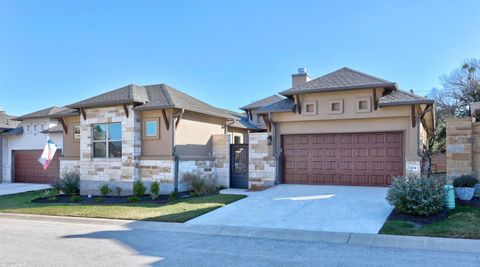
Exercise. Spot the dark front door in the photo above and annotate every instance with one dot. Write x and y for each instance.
(239, 166)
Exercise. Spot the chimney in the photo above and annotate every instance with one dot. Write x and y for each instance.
(300, 78)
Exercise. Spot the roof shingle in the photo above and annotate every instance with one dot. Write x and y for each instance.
(128, 94)
(342, 79)
(399, 97)
(263, 102)
(47, 112)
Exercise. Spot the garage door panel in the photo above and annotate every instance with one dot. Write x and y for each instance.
(27, 169)
(349, 159)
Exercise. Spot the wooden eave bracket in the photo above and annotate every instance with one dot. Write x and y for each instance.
(267, 122)
(414, 119)
(64, 126)
(125, 109)
(165, 119)
(179, 118)
(299, 105)
(82, 111)
(375, 100)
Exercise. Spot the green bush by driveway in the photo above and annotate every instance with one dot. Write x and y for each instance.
(180, 210)
(462, 222)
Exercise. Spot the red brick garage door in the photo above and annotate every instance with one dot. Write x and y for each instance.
(343, 159)
(28, 170)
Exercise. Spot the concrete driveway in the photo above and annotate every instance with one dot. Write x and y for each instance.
(14, 188)
(352, 209)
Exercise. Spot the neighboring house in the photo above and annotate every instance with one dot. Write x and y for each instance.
(344, 128)
(6, 124)
(23, 145)
(257, 119)
(145, 133)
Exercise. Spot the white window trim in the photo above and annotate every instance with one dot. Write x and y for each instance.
(74, 134)
(304, 108)
(332, 101)
(357, 104)
(157, 134)
(107, 149)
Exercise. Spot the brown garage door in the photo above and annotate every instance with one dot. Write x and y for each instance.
(343, 159)
(29, 170)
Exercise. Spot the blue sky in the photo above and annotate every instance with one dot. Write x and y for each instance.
(226, 53)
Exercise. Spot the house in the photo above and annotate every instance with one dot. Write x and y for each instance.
(343, 128)
(23, 143)
(145, 133)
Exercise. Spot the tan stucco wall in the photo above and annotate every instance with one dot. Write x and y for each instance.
(386, 119)
(71, 146)
(161, 146)
(194, 132)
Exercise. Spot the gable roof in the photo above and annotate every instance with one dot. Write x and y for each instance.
(7, 122)
(45, 113)
(399, 97)
(128, 94)
(55, 129)
(342, 79)
(263, 102)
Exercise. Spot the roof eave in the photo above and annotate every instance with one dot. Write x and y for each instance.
(102, 104)
(406, 103)
(291, 91)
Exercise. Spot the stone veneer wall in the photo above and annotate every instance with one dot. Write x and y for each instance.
(121, 172)
(463, 147)
(261, 167)
(161, 170)
(221, 152)
(69, 165)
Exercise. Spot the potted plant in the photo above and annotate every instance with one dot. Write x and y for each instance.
(465, 186)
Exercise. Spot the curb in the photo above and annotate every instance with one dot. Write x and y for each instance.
(355, 239)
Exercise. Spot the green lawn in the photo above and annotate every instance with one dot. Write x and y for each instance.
(462, 222)
(175, 211)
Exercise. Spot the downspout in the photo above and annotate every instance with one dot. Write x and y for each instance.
(176, 159)
(276, 154)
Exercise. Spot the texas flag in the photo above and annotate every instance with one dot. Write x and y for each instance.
(48, 153)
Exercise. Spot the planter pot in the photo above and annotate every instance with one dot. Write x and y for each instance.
(477, 190)
(465, 193)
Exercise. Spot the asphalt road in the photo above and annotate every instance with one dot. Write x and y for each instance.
(60, 243)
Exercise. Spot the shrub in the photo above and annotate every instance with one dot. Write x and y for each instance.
(139, 188)
(417, 195)
(48, 193)
(118, 191)
(74, 199)
(155, 189)
(133, 199)
(200, 186)
(173, 195)
(52, 199)
(465, 181)
(99, 200)
(104, 189)
(69, 183)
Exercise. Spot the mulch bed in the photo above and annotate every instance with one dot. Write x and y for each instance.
(475, 202)
(423, 220)
(162, 199)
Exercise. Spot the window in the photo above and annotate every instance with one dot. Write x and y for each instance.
(259, 118)
(237, 139)
(336, 106)
(107, 140)
(34, 127)
(363, 104)
(150, 128)
(76, 132)
(41, 127)
(310, 108)
(28, 128)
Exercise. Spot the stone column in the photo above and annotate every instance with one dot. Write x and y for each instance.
(476, 148)
(261, 167)
(459, 147)
(221, 152)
